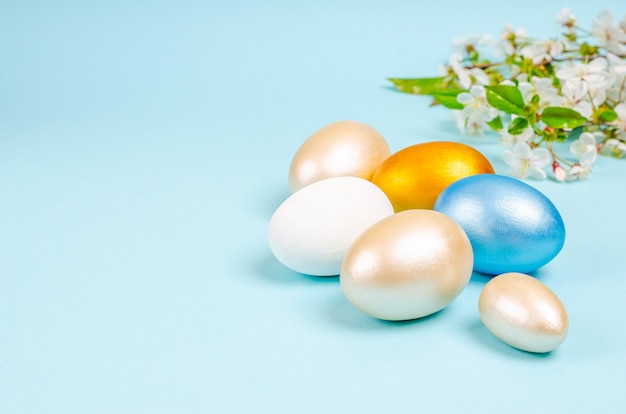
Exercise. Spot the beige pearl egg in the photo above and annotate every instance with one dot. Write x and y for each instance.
(345, 148)
(407, 266)
(523, 312)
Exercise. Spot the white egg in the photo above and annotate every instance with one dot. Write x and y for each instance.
(523, 312)
(311, 231)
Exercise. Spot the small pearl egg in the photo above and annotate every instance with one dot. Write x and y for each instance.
(523, 312)
(407, 266)
(345, 148)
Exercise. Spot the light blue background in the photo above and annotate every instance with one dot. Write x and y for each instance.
(143, 148)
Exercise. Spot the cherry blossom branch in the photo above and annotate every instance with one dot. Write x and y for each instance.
(544, 96)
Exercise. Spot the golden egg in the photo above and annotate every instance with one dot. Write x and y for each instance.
(407, 265)
(344, 148)
(523, 312)
(415, 176)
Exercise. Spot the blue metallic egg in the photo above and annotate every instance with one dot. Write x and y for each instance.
(512, 226)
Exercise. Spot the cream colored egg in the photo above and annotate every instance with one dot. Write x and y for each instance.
(523, 312)
(407, 266)
(345, 148)
(311, 231)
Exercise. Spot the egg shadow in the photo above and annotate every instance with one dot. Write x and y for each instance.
(478, 330)
(267, 269)
(540, 274)
(484, 278)
(342, 313)
(480, 278)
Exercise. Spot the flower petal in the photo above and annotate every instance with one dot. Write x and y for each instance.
(620, 110)
(540, 158)
(597, 65)
(522, 150)
(577, 148)
(510, 159)
(584, 108)
(464, 98)
(587, 138)
(588, 158)
(478, 91)
(480, 76)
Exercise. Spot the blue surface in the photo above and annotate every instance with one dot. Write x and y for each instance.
(143, 149)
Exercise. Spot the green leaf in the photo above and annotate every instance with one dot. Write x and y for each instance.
(517, 126)
(561, 136)
(558, 117)
(419, 86)
(496, 124)
(448, 99)
(535, 100)
(608, 115)
(506, 98)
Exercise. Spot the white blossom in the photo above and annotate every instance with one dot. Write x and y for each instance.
(580, 105)
(510, 39)
(578, 77)
(582, 169)
(598, 91)
(614, 147)
(616, 92)
(509, 140)
(511, 34)
(586, 149)
(474, 41)
(566, 17)
(617, 65)
(610, 36)
(617, 69)
(542, 51)
(469, 126)
(476, 111)
(585, 146)
(467, 77)
(548, 93)
(584, 84)
(527, 162)
(584, 108)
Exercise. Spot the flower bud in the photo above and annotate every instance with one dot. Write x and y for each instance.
(559, 172)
